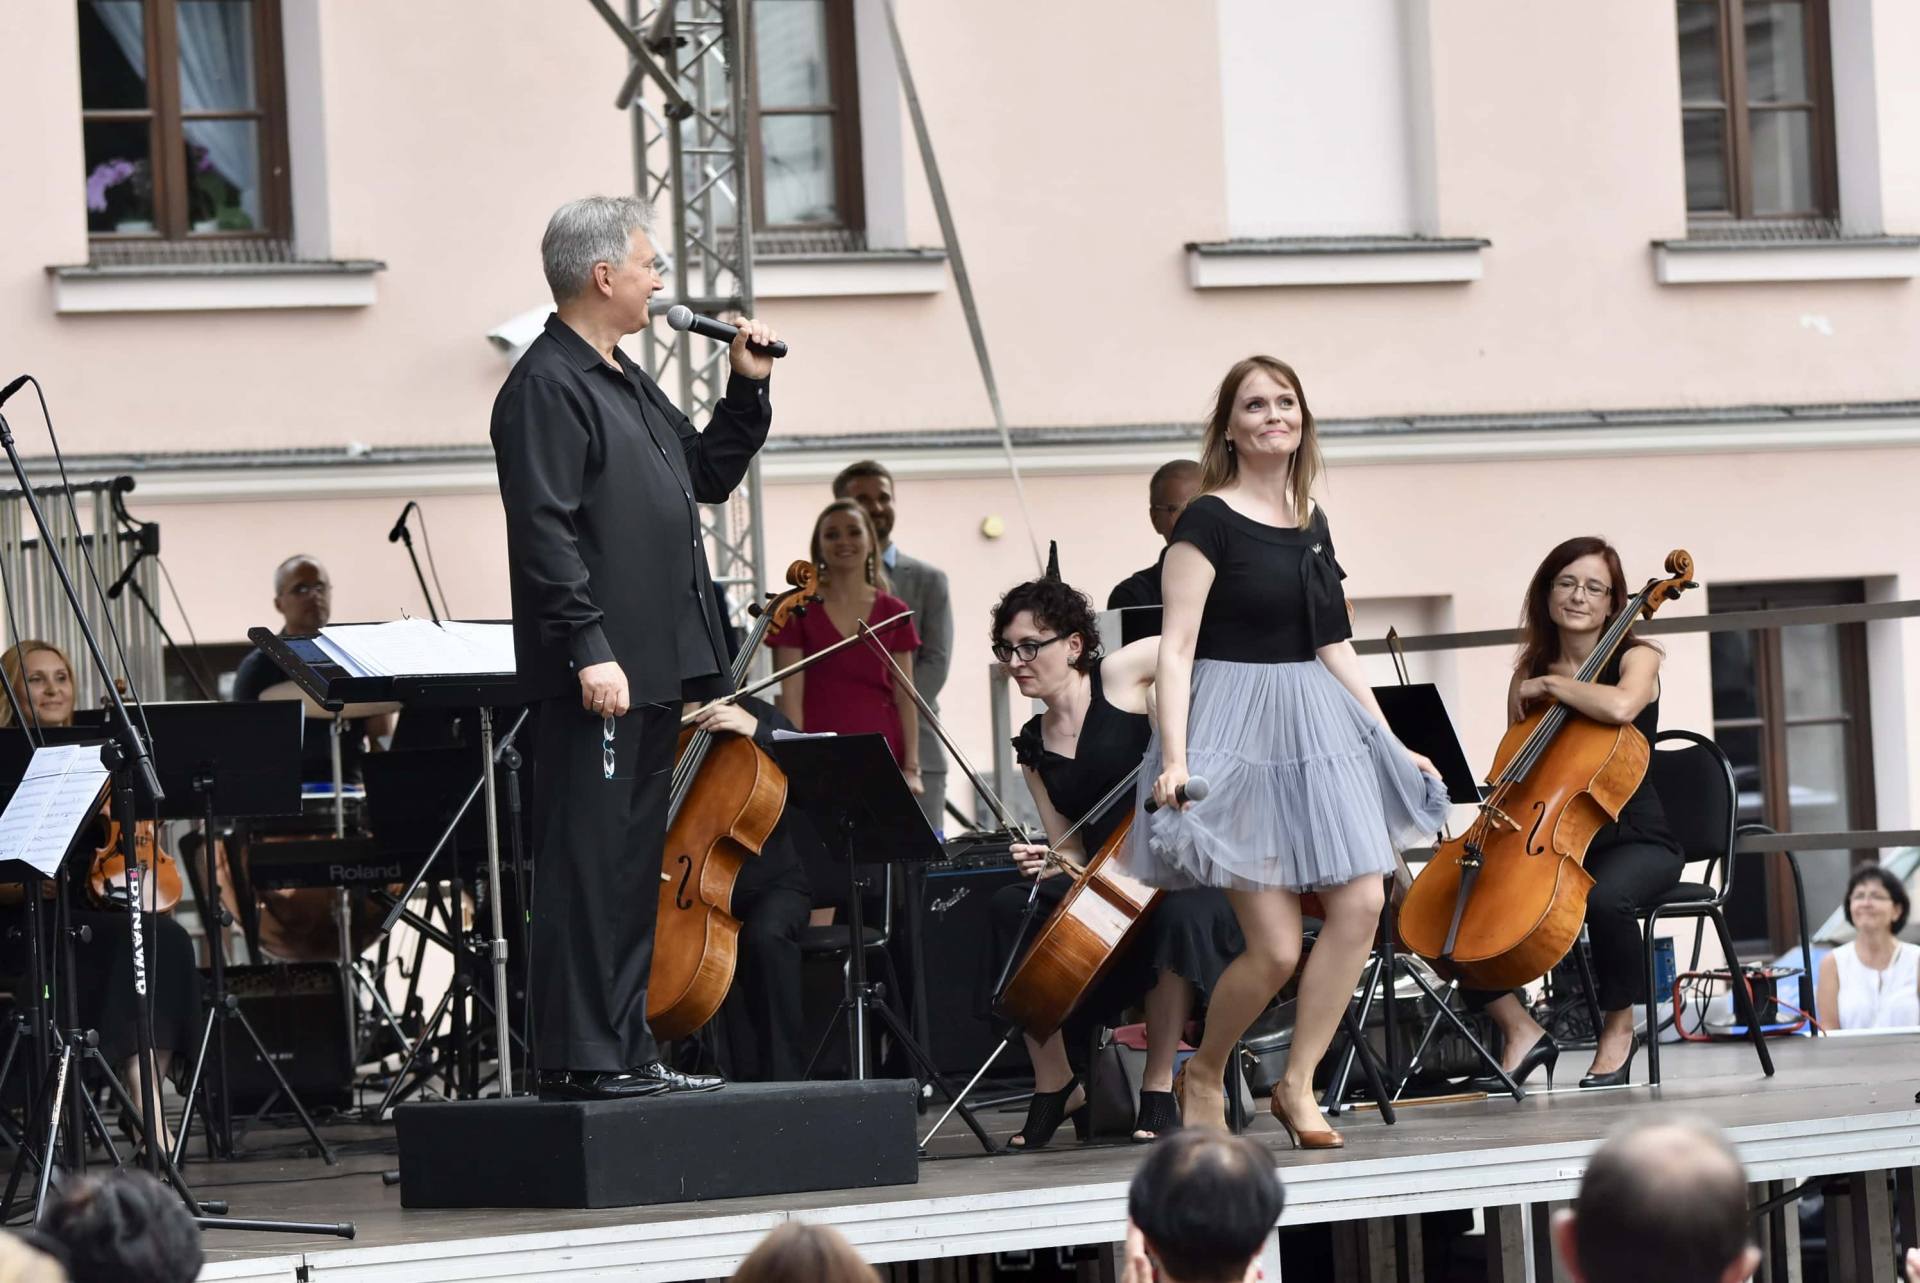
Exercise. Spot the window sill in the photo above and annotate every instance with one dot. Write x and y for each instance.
(1334, 260)
(211, 287)
(1710, 260)
(848, 274)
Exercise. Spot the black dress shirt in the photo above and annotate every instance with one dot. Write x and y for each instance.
(601, 477)
(255, 674)
(1133, 596)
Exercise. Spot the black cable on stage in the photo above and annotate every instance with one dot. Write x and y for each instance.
(433, 567)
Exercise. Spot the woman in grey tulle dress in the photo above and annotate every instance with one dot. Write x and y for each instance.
(1260, 693)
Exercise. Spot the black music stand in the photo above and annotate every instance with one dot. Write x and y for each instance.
(239, 761)
(850, 786)
(1419, 719)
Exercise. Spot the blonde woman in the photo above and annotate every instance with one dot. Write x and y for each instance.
(1260, 693)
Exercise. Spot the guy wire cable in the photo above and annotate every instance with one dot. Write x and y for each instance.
(433, 567)
(962, 283)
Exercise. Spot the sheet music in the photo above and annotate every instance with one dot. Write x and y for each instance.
(420, 648)
(61, 790)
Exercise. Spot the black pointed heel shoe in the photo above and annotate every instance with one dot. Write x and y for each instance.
(1045, 1112)
(1544, 1052)
(1159, 1114)
(1619, 1077)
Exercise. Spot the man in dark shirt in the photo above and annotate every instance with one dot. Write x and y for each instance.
(303, 595)
(1173, 485)
(614, 626)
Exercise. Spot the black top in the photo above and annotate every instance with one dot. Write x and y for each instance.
(1276, 595)
(1137, 597)
(1111, 744)
(255, 674)
(1642, 819)
(600, 477)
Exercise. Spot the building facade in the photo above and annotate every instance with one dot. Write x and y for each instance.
(1544, 271)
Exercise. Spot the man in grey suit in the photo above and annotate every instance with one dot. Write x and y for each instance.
(924, 589)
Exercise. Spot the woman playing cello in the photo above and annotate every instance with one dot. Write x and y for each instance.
(1072, 755)
(1573, 596)
(1260, 692)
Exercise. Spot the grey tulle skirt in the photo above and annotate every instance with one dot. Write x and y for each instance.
(1306, 788)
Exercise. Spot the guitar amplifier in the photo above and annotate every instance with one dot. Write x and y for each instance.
(301, 1016)
(955, 896)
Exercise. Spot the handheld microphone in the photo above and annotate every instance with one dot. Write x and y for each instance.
(6, 393)
(681, 317)
(399, 530)
(1194, 790)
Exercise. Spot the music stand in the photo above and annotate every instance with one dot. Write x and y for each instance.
(850, 786)
(1418, 718)
(241, 761)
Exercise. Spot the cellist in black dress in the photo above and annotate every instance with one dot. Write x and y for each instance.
(1091, 735)
(1577, 590)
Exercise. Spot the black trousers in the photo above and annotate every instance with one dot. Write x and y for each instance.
(1626, 877)
(598, 845)
(763, 1019)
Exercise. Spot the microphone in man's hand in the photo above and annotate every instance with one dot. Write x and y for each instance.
(681, 317)
(1194, 790)
(400, 527)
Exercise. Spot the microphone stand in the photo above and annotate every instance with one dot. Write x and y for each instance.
(401, 534)
(129, 582)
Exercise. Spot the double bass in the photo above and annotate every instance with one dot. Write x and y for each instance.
(726, 797)
(1502, 903)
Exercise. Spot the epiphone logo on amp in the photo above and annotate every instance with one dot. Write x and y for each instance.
(365, 872)
(942, 904)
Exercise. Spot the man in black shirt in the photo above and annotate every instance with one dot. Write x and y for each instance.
(1173, 485)
(614, 626)
(303, 595)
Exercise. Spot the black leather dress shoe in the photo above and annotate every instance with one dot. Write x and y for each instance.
(672, 1080)
(588, 1084)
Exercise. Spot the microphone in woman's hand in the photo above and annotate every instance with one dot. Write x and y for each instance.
(1194, 790)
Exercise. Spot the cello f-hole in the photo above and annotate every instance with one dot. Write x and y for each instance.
(1539, 818)
(680, 900)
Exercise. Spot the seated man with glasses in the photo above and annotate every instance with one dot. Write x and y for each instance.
(1138, 595)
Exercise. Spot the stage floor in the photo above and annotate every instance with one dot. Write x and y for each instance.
(1838, 1105)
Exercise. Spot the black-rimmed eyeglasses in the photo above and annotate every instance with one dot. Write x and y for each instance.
(1024, 651)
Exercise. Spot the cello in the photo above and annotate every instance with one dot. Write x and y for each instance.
(1498, 906)
(725, 799)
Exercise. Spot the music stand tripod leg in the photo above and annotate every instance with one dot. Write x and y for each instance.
(1443, 1010)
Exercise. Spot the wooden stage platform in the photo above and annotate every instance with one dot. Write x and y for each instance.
(1837, 1106)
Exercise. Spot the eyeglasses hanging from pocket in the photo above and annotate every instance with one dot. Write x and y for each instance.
(606, 747)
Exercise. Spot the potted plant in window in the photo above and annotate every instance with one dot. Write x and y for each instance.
(122, 189)
(213, 202)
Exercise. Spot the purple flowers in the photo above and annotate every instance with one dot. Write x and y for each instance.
(108, 173)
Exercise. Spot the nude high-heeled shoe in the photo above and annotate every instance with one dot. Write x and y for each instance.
(1201, 1105)
(1304, 1138)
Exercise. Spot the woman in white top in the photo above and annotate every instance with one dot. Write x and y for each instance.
(1874, 982)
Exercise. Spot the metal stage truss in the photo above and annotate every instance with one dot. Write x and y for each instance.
(687, 96)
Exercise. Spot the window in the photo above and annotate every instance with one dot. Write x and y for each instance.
(184, 120)
(1790, 707)
(805, 117)
(1756, 109)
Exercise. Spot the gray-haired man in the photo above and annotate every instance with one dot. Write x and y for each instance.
(614, 626)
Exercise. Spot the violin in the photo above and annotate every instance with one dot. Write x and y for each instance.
(159, 873)
(1498, 906)
(726, 797)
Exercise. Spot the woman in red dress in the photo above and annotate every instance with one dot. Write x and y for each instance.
(854, 691)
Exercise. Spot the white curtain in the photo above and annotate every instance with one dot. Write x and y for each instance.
(216, 74)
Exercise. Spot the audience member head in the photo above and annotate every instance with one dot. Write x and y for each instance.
(42, 680)
(801, 1253)
(1881, 902)
(302, 594)
(845, 545)
(1205, 1204)
(600, 262)
(869, 484)
(21, 1262)
(1056, 626)
(1174, 484)
(1662, 1202)
(124, 1227)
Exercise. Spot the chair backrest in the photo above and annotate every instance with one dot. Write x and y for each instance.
(1694, 781)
